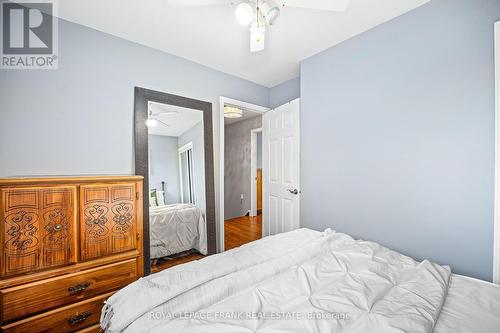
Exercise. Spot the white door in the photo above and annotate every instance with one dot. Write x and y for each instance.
(281, 159)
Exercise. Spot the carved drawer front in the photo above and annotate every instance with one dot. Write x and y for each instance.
(33, 298)
(108, 221)
(38, 228)
(67, 319)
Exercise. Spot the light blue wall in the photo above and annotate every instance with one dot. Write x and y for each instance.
(284, 92)
(78, 119)
(164, 166)
(195, 135)
(397, 135)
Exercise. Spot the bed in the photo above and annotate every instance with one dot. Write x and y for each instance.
(176, 228)
(305, 281)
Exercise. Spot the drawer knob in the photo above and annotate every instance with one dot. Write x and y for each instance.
(58, 227)
(79, 318)
(79, 288)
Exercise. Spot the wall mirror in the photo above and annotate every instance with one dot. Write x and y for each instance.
(174, 154)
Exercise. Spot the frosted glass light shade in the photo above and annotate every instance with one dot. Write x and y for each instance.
(244, 13)
(232, 112)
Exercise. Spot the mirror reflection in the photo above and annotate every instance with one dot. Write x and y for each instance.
(176, 185)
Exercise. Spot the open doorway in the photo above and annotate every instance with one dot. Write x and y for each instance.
(256, 172)
(241, 211)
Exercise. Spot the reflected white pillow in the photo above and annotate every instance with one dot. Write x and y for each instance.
(160, 198)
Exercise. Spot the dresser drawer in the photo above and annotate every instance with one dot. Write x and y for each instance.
(67, 319)
(32, 298)
(92, 329)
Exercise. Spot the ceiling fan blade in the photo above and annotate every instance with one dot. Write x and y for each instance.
(164, 113)
(163, 123)
(333, 5)
(197, 3)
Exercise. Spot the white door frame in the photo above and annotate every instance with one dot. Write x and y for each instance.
(244, 105)
(253, 172)
(496, 246)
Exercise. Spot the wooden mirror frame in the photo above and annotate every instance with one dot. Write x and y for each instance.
(141, 99)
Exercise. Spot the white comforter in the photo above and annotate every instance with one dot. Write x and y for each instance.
(301, 281)
(176, 228)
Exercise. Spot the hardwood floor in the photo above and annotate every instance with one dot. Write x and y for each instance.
(237, 231)
(242, 230)
(176, 260)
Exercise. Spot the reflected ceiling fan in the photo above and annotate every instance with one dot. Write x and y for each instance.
(154, 117)
(259, 14)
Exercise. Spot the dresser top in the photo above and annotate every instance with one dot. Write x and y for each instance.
(40, 180)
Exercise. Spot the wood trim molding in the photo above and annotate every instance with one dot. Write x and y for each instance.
(142, 96)
(496, 245)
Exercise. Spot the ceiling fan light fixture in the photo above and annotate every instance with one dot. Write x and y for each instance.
(151, 122)
(269, 13)
(257, 37)
(232, 112)
(244, 13)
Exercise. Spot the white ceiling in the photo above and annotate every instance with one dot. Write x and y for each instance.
(178, 119)
(211, 35)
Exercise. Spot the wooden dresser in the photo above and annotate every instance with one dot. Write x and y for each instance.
(66, 245)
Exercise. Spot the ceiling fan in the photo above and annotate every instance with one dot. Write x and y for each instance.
(259, 14)
(154, 117)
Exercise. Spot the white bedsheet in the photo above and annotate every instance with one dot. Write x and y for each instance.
(176, 228)
(278, 283)
(472, 306)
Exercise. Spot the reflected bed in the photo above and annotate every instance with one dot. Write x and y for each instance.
(176, 228)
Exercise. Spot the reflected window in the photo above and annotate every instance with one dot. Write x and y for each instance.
(186, 173)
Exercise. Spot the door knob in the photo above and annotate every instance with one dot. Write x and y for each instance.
(294, 191)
